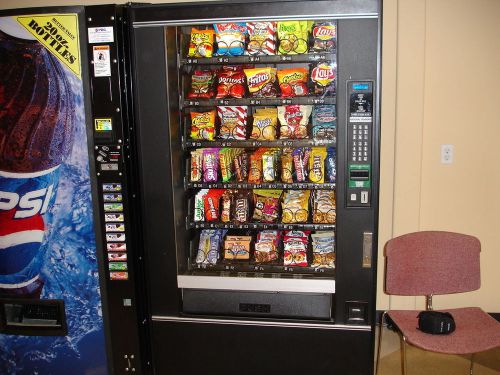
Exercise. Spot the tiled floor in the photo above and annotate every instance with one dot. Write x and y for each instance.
(421, 362)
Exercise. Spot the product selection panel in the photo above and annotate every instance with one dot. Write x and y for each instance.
(359, 142)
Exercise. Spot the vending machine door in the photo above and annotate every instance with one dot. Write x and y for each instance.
(51, 318)
(259, 222)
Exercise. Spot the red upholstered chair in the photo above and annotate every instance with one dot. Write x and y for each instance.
(430, 263)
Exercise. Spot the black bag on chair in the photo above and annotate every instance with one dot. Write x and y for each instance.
(436, 322)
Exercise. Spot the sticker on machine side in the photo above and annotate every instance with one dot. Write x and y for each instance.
(116, 246)
(112, 197)
(102, 61)
(100, 34)
(118, 275)
(103, 124)
(117, 257)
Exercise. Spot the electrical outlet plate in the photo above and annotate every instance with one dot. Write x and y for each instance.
(446, 154)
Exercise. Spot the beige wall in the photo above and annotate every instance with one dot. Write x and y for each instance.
(441, 80)
(441, 69)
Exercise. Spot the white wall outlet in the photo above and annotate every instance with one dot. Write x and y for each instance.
(446, 154)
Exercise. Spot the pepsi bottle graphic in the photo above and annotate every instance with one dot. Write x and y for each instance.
(36, 135)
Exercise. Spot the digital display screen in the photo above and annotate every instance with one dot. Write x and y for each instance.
(360, 86)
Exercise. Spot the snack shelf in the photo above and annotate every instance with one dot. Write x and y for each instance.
(299, 100)
(260, 59)
(254, 143)
(232, 268)
(271, 185)
(259, 226)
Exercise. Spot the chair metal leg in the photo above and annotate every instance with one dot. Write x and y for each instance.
(379, 346)
(403, 354)
(471, 370)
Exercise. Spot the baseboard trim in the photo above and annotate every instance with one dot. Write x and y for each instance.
(378, 316)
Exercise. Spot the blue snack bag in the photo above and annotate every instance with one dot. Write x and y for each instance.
(230, 38)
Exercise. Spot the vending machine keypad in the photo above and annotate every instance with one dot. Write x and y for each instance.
(359, 135)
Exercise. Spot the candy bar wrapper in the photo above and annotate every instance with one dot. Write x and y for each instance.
(202, 84)
(262, 38)
(237, 247)
(293, 121)
(324, 122)
(226, 203)
(210, 164)
(225, 159)
(196, 165)
(324, 35)
(199, 205)
(300, 160)
(233, 121)
(323, 76)
(241, 206)
(261, 82)
(331, 164)
(324, 207)
(293, 37)
(293, 82)
(208, 249)
(317, 165)
(230, 38)
(241, 166)
(287, 167)
(203, 125)
(255, 172)
(212, 202)
(201, 43)
(269, 165)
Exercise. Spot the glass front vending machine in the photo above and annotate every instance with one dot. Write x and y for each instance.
(257, 135)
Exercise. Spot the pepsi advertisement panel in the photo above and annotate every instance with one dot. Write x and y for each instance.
(47, 240)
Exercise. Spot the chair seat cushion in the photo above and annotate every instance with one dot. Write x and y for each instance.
(476, 331)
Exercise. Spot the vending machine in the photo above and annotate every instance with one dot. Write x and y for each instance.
(256, 128)
(189, 188)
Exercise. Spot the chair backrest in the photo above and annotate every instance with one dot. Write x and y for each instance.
(432, 262)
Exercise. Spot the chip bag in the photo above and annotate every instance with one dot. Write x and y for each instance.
(293, 37)
(230, 82)
(265, 122)
(293, 82)
(201, 84)
(233, 122)
(323, 77)
(295, 206)
(201, 43)
(324, 35)
(294, 120)
(203, 125)
(261, 82)
(262, 38)
(230, 38)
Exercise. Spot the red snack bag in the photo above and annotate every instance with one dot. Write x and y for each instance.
(293, 82)
(230, 82)
(211, 203)
(202, 84)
